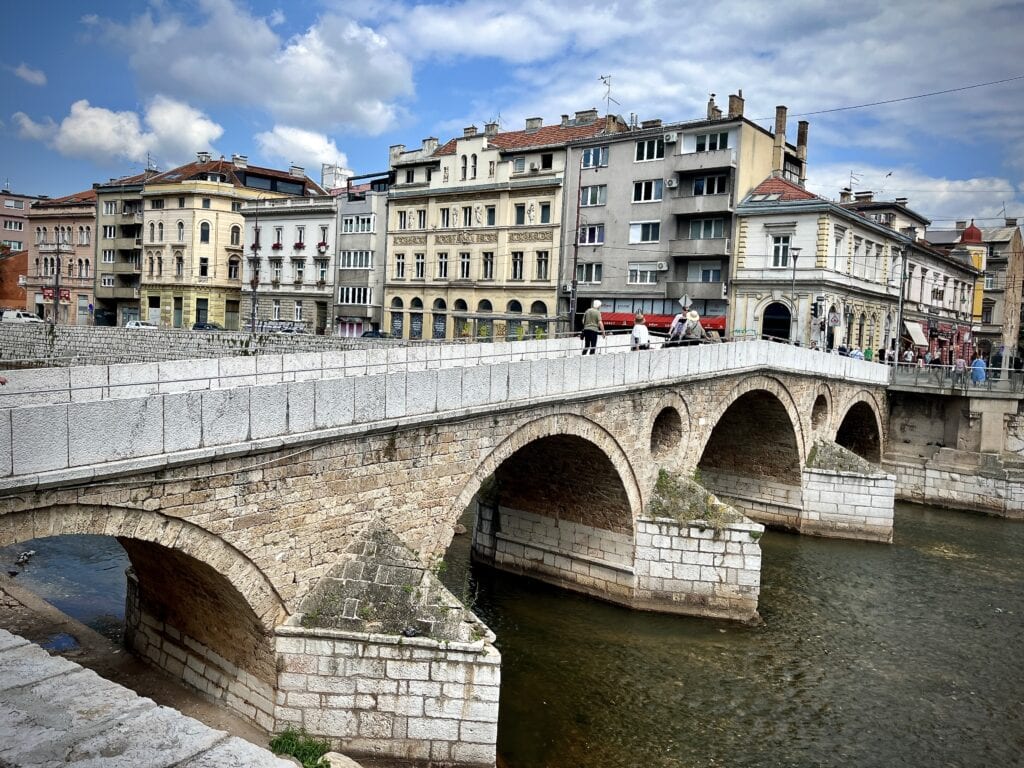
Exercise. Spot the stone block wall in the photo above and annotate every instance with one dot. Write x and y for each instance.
(692, 569)
(413, 698)
(962, 480)
(195, 665)
(766, 501)
(848, 505)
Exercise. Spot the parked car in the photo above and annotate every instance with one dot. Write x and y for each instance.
(207, 327)
(140, 324)
(20, 316)
(376, 335)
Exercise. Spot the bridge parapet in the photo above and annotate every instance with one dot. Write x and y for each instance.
(52, 444)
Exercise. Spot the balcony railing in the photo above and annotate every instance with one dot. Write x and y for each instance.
(704, 161)
(696, 290)
(709, 246)
(685, 205)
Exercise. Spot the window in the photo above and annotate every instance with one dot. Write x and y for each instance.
(297, 316)
(400, 266)
(410, 175)
(708, 142)
(542, 265)
(278, 235)
(107, 281)
(300, 235)
(990, 282)
(355, 294)
(595, 157)
(232, 269)
(204, 267)
(518, 164)
(547, 161)
(420, 262)
(109, 233)
(462, 167)
(298, 271)
(18, 226)
(156, 204)
(323, 233)
(442, 265)
(181, 233)
(181, 202)
(206, 202)
(593, 195)
(472, 166)
(236, 206)
(705, 229)
(277, 310)
(644, 231)
(467, 216)
(488, 265)
(236, 235)
(321, 270)
(643, 273)
(110, 208)
(709, 272)
(490, 169)
(179, 266)
(421, 219)
(651, 149)
(647, 191)
(403, 219)
(275, 270)
(152, 232)
(491, 216)
(520, 214)
(464, 265)
(592, 234)
(204, 232)
(588, 273)
(709, 185)
(986, 314)
(517, 265)
(108, 256)
(545, 213)
(780, 251)
(151, 266)
(20, 204)
(356, 260)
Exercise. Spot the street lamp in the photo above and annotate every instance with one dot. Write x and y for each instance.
(794, 253)
(575, 249)
(254, 280)
(57, 266)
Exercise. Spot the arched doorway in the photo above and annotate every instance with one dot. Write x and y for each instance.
(775, 322)
(397, 318)
(416, 318)
(439, 327)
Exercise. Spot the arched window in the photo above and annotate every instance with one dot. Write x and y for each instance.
(159, 266)
(439, 305)
(160, 232)
(538, 308)
(236, 235)
(179, 265)
(80, 266)
(460, 305)
(514, 307)
(71, 268)
(81, 236)
(484, 306)
(40, 235)
(152, 232)
(181, 231)
(88, 235)
(416, 303)
(463, 177)
(473, 167)
(151, 265)
(396, 303)
(204, 232)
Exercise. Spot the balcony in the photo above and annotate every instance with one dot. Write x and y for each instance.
(695, 290)
(123, 267)
(688, 205)
(688, 246)
(704, 161)
(131, 216)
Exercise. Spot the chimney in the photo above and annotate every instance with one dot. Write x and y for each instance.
(202, 157)
(240, 161)
(778, 150)
(736, 104)
(565, 121)
(714, 113)
(583, 117)
(656, 123)
(901, 201)
(298, 171)
(532, 124)
(490, 129)
(429, 145)
(845, 195)
(1011, 222)
(469, 131)
(961, 225)
(395, 152)
(801, 148)
(865, 197)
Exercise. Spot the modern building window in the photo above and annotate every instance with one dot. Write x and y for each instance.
(706, 229)
(420, 265)
(650, 149)
(595, 157)
(542, 265)
(107, 281)
(204, 232)
(488, 265)
(642, 273)
(517, 265)
(351, 224)
(204, 267)
(518, 164)
(547, 161)
(990, 282)
(708, 142)
(644, 231)
(356, 260)
(355, 294)
(592, 234)
(647, 191)
(709, 185)
(110, 208)
(464, 265)
(708, 272)
(589, 273)
(400, 266)
(780, 250)
(596, 194)
(520, 214)
(442, 265)
(108, 256)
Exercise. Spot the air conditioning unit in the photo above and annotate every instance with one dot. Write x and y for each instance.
(663, 266)
(534, 167)
(725, 290)
(671, 183)
(566, 287)
(671, 137)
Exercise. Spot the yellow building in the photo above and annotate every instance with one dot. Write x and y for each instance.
(192, 237)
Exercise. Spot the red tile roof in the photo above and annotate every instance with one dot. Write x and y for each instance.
(230, 171)
(545, 136)
(787, 190)
(78, 198)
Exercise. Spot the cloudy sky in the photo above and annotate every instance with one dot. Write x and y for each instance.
(91, 89)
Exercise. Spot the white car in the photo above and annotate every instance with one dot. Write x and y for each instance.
(140, 324)
(20, 316)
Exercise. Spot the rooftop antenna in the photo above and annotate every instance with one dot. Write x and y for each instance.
(607, 80)
(853, 178)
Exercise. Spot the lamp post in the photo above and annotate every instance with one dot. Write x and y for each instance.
(57, 266)
(575, 248)
(794, 254)
(254, 280)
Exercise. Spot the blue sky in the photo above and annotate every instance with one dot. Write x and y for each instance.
(91, 89)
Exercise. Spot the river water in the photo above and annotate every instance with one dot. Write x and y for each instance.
(869, 655)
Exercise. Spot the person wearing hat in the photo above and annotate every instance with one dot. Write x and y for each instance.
(693, 331)
(640, 338)
(592, 325)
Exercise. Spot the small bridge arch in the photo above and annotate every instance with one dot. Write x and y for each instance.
(860, 428)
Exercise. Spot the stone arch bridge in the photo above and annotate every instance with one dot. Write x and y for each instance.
(282, 513)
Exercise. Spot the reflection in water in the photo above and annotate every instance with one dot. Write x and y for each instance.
(869, 655)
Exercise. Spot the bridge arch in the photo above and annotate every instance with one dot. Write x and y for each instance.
(187, 577)
(668, 426)
(860, 428)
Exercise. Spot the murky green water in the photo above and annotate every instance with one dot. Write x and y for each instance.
(869, 655)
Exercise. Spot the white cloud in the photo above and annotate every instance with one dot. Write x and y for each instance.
(336, 73)
(300, 147)
(29, 75)
(173, 132)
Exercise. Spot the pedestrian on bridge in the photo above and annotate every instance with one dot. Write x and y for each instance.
(592, 325)
(640, 338)
(978, 370)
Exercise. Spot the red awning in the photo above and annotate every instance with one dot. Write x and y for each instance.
(657, 322)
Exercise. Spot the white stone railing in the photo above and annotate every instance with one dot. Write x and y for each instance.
(286, 398)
